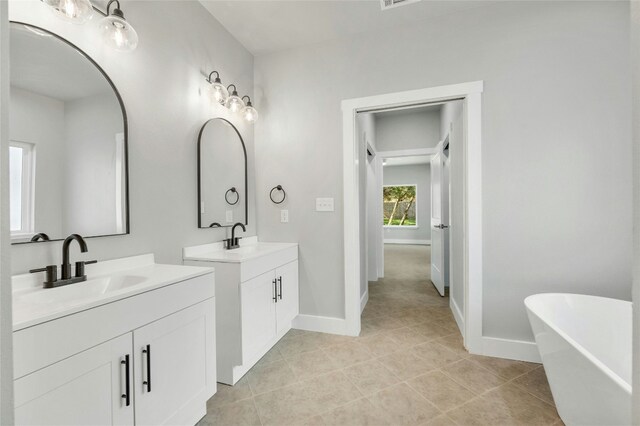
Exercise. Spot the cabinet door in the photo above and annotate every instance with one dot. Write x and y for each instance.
(89, 388)
(287, 306)
(175, 366)
(258, 314)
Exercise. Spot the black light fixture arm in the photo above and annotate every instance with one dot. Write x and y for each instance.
(248, 99)
(117, 11)
(235, 90)
(217, 80)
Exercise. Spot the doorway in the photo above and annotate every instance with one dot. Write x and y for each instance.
(470, 317)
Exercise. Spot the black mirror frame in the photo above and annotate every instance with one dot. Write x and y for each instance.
(125, 131)
(246, 178)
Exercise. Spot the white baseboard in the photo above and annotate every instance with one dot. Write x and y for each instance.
(363, 300)
(457, 314)
(511, 349)
(321, 324)
(401, 241)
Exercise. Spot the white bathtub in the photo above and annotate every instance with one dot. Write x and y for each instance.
(585, 344)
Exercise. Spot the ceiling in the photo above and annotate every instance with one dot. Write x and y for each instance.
(266, 26)
(407, 161)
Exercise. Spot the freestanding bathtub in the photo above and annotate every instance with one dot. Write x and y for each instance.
(585, 344)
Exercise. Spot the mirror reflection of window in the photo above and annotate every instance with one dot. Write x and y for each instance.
(21, 187)
(399, 205)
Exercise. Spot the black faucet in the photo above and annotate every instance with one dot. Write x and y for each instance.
(40, 236)
(51, 278)
(233, 242)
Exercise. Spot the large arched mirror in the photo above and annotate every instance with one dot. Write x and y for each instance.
(68, 141)
(222, 175)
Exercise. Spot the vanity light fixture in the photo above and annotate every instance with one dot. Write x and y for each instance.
(234, 103)
(116, 31)
(78, 11)
(249, 113)
(217, 91)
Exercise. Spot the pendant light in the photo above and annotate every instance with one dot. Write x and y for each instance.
(116, 31)
(217, 91)
(234, 103)
(249, 113)
(77, 11)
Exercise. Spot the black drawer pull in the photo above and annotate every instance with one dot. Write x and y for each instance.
(147, 382)
(127, 394)
(280, 281)
(275, 290)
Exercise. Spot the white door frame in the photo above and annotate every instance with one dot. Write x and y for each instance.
(471, 93)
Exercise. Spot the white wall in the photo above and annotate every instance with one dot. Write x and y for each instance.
(162, 84)
(635, 49)
(407, 129)
(553, 106)
(419, 174)
(40, 120)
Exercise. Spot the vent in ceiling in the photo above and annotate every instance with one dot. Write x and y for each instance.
(390, 4)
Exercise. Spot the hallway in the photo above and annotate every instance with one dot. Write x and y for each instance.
(408, 367)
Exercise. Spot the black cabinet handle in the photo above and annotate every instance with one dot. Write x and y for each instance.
(275, 290)
(147, 383)
(127, 383)
(280, 281)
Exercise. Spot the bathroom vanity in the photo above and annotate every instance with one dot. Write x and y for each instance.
(256, 299)
(134, 344)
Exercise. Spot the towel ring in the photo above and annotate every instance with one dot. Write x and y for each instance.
(226, 196)
(279, 188)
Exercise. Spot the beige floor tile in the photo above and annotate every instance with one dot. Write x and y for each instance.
(380, 344)
(441, 420)
(274, 375)
(356, 413)
(472, 376)
(505, 368)
(454, 342)
(436, 354)
(310, 364)
(241, 413)
(370, 377)
(271, 356)
(535, 382)
(227, 394)
(406, 365)
(432, 330)
(406, 337)
(346, 354)
(379, 324)
(441, 390)
(402, 405)
(307, 342)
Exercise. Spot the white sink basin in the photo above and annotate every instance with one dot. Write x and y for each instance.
(250, 249)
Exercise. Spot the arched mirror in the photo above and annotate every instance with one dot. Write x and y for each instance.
(68, 142)
(222, 175)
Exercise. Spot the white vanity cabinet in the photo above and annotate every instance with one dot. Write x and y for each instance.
(256, 300)
(147, 358)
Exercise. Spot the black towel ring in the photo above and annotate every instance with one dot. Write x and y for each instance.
(226, 196)
(279, 188)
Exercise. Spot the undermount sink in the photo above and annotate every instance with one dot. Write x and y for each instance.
(250, 248)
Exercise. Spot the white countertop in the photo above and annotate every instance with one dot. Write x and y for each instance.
(107, 282)
(250, 248)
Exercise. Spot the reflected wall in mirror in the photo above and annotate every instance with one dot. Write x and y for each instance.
(222, 175)
(68, 141)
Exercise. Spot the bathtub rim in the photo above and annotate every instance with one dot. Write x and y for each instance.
(614, 376)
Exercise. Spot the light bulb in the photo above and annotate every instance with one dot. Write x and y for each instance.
(234, 103)
(78, 11)
(218, 93)
(118, 33)
(249, 113)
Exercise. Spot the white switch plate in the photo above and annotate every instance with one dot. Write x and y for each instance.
(229, 216)
(324, 204)
(284, 216)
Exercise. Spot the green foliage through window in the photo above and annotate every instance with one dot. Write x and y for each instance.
(399, 205)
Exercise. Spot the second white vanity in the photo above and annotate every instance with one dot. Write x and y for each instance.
(256, 299)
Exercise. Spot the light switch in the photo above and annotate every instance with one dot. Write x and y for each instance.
(229, 216)
(324, 204)
(284, 216)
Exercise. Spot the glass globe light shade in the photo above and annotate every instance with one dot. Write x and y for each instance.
(78, 11)
(218, 93)
(249, 113)
(118, 33)
(234, 103)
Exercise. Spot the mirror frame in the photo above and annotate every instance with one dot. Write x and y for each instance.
(125, 131)
(246, 179)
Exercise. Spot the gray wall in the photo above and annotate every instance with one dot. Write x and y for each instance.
(407, 130)
(163, 87)
(419, 174)
(553, 107)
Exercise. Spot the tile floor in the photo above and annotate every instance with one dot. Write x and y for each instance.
(408, 367)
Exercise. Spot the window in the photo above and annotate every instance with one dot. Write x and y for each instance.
(21, 187)
(399, 205)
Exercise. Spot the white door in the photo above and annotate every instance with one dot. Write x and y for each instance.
(175, 366)
(287, 305)
(439, 224)
(258, 311)
(89, 388)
